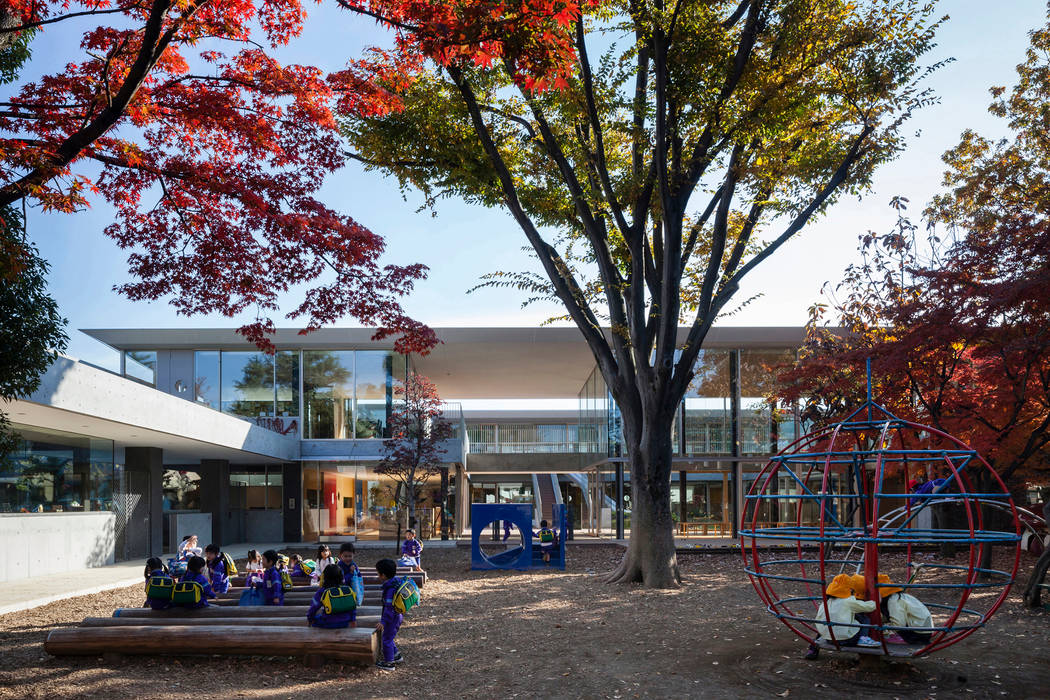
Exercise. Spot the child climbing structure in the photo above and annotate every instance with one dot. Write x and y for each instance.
(847, 500)
(527, 554)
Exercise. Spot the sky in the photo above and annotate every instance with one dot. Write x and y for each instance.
(461, 243)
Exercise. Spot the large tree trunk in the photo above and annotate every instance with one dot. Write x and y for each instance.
(650, 557)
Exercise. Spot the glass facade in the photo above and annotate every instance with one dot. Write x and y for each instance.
(349, 394)
(531, 438)
(259, 489)
(346, 394)
(707, 425)
(54, 471)
(765, 428)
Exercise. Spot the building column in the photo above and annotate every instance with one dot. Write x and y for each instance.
(734, 417)
(292, 505)
(144, 467)
(462, 501)
(619, 501)
(444, 503)
(215, 497)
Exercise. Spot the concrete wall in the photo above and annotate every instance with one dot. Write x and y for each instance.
(53, 543)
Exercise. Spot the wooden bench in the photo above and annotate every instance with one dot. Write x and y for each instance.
(369, 576)
(249, 611)
(355, 645)
(700, 527)
(188, 621)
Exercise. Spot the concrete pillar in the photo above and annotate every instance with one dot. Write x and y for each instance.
(144, 467)
(462, 501)
(734, 416)
(215, 497)
(293, 501)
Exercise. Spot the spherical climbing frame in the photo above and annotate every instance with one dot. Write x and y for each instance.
(845, 500)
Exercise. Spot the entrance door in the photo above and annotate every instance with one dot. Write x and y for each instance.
(137, 531)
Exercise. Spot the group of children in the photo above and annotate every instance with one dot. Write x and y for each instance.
(846, 620)
(270, 574)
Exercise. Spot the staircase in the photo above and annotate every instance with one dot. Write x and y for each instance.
(547, 495)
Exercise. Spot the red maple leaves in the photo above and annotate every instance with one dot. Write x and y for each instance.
(211, 150)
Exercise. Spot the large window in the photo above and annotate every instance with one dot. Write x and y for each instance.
(348, 394)
(262, 488)
(141, 365)
(247, 384)
(181, 490)
(206, 377)
(52, 471)
(707, 422)
(764, 428)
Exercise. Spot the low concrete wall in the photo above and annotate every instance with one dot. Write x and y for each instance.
(36, 544)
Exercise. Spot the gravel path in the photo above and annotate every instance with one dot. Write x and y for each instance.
(552, 634)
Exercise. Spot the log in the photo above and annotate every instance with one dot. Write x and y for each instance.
(370, 578)
(358, 644)
(236, 591)
(301, 601)
(297, 621)
(256, 611)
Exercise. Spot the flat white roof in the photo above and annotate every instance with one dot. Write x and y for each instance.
(550, 362)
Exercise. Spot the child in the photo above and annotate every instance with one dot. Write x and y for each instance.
(390, 620)
(270, 583)
(841, 613)
(324, 560)
(346, 563)
(188, 548)
(220, 578)
(155, 567)
(253, 567)
(412, 549)
(903, 610)
(295, 566)
(546, 537)
(195, 572)
(331, 578)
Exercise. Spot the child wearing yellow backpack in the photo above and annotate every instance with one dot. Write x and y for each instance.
(547, 539)
(390, 620)
(322, 615)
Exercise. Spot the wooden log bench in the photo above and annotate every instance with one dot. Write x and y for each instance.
(187, 621)
(248, 611)
(354, 645)
(291, 597)
(369, 577)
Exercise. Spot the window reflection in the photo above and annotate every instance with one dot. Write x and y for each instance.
(53, 471)
(206, 378)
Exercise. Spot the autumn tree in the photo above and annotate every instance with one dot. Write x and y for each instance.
(958, 330)
(418, 430)
(210, 150)
(32, 331)
(682, 145)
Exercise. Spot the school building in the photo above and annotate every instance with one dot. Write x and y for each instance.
(200, 432)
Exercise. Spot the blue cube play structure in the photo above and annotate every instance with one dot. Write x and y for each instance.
(528, 554)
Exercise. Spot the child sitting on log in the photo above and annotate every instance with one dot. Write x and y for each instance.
(270, 583)
(195, 574)
(900, 609)
(188, 548)
(390, 620)
(840, 618)
(411, 549)
(332, 577)
(295, 566)
(547, 539)
(324, 560)
(220, 578)
(155, 567)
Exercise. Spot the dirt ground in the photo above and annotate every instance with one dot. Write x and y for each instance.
(553, 634)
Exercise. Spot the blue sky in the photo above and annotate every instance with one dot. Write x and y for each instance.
(462, 243)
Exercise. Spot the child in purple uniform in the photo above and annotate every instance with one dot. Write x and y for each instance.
(346, 563)
(331, 578)
(195, 572)
(220, 578)
(390, 620)
(412, 548)
(155, 567)
(270, 584)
